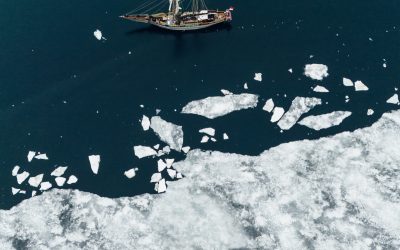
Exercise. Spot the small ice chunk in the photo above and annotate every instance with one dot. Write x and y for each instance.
(213, 139)
(290, 71)
(41, 157)
(204, 139)
(161, 187)
(171, 173)
(94, 163)
(347, 82)
(208, 131)
(161, 165)
(166, 149)
(22, 192)
(169, 162)
(179, 176)
(97, 33)
(22, 177)
(226, 92)
(30, 156)
(186, 149)
(258, 77)
(370, 112)
(15, 191)
(15, 170)
(156, 177)
(269, 105)
(35, 181)
(316, 71)
(60, 181)
(225, 136)
(34, 193)
(58, 171)
(277, 114)
(72, 180)
(168, 132)
(320, 89)
(130, 173)
(394, 99)
(360, 86)
(145, 123)
(245, 86)
(143, 151)
(326, 120)
(45, 186)
(156, 146)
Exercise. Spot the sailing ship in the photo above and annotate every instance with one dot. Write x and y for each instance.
(194, 16)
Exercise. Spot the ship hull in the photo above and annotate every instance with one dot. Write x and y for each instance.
(186, 28)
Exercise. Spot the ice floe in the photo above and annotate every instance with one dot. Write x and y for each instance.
(15, 170)
(30, 155)
(258, 77)
(169, 162)
(347, 82)
(370, 112)
(94, 161)
(208, 131)
(205, 139)
(160, 186)
(98, 35)
(216, 106)
(269, 105)
(168, 132)
(161, 165)
(72, 180)
(143, 151)
(171, 173)
(35, 181)
(320, 89)
(393, 100)
(245, 86)
(41, 157)
(45, 186)
(58, 171)
(130, 173)
(60, 181)
(226, 92)
(185, 149)
(300, 106)
(316, 71)
(277, 114)
(360, 86)
(22, 177)
(225, 136)
(15, 191)
(325, 121)
(156, 177)
(145, 123)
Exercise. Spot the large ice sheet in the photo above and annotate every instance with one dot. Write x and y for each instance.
(340, 192)
(300, 106)
(168, 132)
(318, 122)
(216, 106)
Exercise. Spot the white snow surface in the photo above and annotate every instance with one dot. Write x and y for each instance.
(340, 192)
(216, 106)
(143, 151)
(94, 161)
(316, 71)
(325, 121)
(168, 132)
(300, 106)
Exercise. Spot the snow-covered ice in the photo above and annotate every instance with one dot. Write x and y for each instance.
(30, 155)
(72, 180)
(393, 100)
(161, 187)
(360, 86)
(325, 121)
(168, 132)
(300, 106)
(161, 165)
(145, 122)
(130, 173)
(45, 186)
(258, 77)
(58, 171)
(15, 170)
(156, 177)
(204, 139)
(216, 106)
(269, 105)
(208, 131)
(94, 161)
(60, 181)
(22, 177)
(143, 151)
(316, 71)
(169, 162)
(320, 89)
(35, 181)
(171, 173)
(347, 82)
(277, 114)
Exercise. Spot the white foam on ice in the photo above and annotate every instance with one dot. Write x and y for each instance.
(360, 86)
(130, 173)
(320, 89)
(258, 77)
(277, 114)
(145, 122)
(216, 106)
(60, 181)
(143, 151)
(22, 177)
(208, 131)
(325, 121)
(168, 132)
(347, 82)
(94, 161)
(59, 171)
(393, 100)
(316, 71)
(300, 106)
(269, 105)
(30, 155)
(35, 181)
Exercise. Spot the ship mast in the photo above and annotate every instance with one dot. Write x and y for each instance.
(174, 7)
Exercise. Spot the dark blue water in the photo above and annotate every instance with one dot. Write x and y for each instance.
(65, 93)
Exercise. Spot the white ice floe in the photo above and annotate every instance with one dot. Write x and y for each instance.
(208, 131)
(204, 139)
(225, 136)
(130, 173)
(94, 161)
(59, 171)
(15, 170)
(161, 187)
(33, 193)
(245, 86)
(258, 77)
(316, 71)
(161, 165)
(185, 149)
(339, 192)
(393, 100)
(169, 162)
(216, 106)
(145, 122)
(156, 177)
(168, 132)
(156, 146)
(269, 105)
(171, 173)
(325, 121)
(22, 177)
(22, 191)
(35, 181)
(45, 186)
(41, 157)
(360, 86)
(143, 151)
(226, 92)
(320, 89)
(290, 71)
(15, 191)
(30, 155)
(300, 106)
(166, 149)
(213, 139)
(98, 35)
(370, 112)
(277, 114)
(72, 180)
(347, 82)
(60, 181)
(346, 98)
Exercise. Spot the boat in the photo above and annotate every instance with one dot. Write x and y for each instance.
(195, 16)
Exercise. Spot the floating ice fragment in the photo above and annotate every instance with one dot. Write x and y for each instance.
(185, 149)
(326, 120)
(22, 192)
(15, 170)
(204, 139)
(168, 132)
(161, 187)
(226, 92)
(370, 112)
(72, 180)
(290, 71)
(58, 171)
(143, 151)
(30, 156)
(156, 177)
(384, 65)
(245, 86)
(15, 191)
(33, 193)
(171, 173)
(277, 114)
(213, 139)
(179, 176)
(269, 105)
(60, 181)
(156, 146)
(22, 177)
(169, 162)
(41, 157)
(394, 99)
(97, 33)
(130, 173)
(316, 71)
(320, 89)
(300, 106)
(360, 86)
(45, 186)
(216, 106)
(35, 180)
(258, 77)
(347, 82)
(208, 131)
(161, 165)
(94, 163)
(145, 123)
(225, 136)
